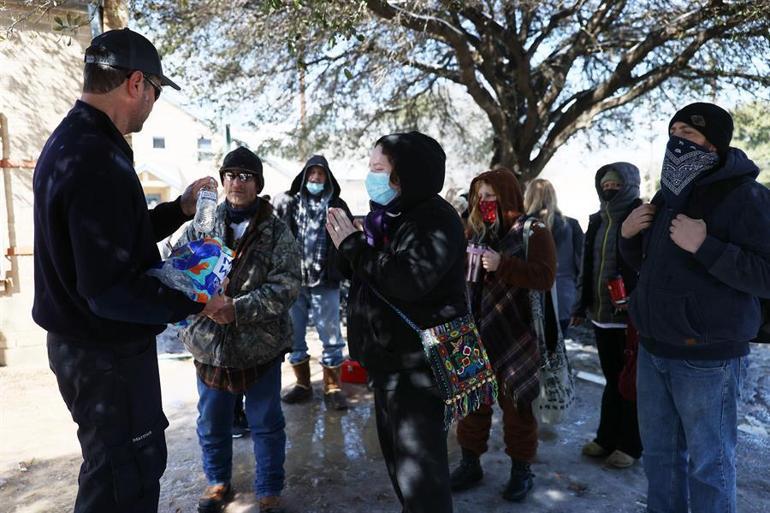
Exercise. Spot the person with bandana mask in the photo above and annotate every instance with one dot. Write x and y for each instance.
(617, 437)
(312, 193)
(702, 247)
(412, 252)
(501, 307)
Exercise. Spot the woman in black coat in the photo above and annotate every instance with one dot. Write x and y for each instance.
(412, 251)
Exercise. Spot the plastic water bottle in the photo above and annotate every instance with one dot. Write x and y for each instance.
(205, 209)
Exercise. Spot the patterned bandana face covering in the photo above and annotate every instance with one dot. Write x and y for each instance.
(488, 211)
(683, 163)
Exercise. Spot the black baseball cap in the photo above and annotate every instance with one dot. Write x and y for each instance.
(126, 49)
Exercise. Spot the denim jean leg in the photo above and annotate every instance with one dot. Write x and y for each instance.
(299, 313)
(326, 312)
(263, 411)
(706, 393)
(665, 454)
(215, 424)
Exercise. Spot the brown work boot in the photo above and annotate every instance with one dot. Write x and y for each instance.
(270, 504)
(334, 397)
(301, 391)
(214, 498)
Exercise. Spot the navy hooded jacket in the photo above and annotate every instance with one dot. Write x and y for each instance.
(704, 306)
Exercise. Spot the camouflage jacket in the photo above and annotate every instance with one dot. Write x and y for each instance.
(264, 282)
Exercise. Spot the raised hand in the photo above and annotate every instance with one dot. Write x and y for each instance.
(190, 194)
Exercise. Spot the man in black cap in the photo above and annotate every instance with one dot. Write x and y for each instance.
(240, 349)
(702, 248)
(94, 240)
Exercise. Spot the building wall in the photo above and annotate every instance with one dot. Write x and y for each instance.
(41, 78)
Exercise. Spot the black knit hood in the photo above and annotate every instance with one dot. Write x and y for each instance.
(420, 164)
(301, 178)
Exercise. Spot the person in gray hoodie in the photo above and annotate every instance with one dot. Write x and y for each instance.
(618, 188)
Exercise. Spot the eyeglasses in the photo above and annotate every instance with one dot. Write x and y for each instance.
(242, 177)
(158, 88)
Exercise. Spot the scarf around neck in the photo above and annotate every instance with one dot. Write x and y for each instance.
(239, 215)
(683, 163)
(378, 222)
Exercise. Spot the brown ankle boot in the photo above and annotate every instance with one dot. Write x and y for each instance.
(334, 397)
(271, 504)
(214, 498)
(301, 391)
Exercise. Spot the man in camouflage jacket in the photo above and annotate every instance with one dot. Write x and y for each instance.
(239, 349)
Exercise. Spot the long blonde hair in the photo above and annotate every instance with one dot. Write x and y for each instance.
(540, 201)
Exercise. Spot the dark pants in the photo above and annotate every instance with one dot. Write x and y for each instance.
(618, 424)
(113, 394)
(519, 429)
(410, 426)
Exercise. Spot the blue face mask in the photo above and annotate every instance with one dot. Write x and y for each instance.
(314, 188)
(379, 189)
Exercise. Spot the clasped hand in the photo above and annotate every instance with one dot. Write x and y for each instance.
(220, 308)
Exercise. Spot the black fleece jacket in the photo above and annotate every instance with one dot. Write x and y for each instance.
(95, 238)
(420, 270)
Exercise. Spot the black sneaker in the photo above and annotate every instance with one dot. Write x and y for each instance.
(467, 474)
(240, 426)
(520, 482)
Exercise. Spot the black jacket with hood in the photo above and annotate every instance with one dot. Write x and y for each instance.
(601, 255)
(420, 269)
(287, 207)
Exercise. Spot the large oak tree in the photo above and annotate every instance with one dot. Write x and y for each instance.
(539, 71)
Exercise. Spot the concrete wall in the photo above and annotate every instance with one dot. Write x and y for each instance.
(40, 79)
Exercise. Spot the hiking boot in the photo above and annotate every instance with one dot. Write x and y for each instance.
(594, 450)
(334, 397)
(270, 504)
(467, 474)
(619, 459)
(520, 482)
(301, 392)
(214, 498)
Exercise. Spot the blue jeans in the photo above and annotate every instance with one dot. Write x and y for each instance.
(263, 411)
(324, 304)
(688, 424)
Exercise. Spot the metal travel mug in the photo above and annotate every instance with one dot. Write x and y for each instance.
(474, 266)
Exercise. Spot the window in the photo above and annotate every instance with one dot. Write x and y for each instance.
(204, 149)
(159, 142)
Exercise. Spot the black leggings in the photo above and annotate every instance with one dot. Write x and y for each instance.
(410, 426)
(618, 424)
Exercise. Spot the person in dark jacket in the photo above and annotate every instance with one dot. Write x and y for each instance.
(502, 309)
(412, 252)
(618, 434)
(540, 200)
(94, 240)
(703, 253)
(312, 193)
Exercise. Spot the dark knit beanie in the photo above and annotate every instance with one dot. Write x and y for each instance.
(243, 160)
(714, 122)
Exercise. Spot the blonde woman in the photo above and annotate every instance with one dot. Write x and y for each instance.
(540, 201)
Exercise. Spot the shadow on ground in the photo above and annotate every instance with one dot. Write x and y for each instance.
(334, 464)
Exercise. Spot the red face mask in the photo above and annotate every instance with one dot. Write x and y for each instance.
(488, 211)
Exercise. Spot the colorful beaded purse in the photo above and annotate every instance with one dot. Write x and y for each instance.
(459, 362)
